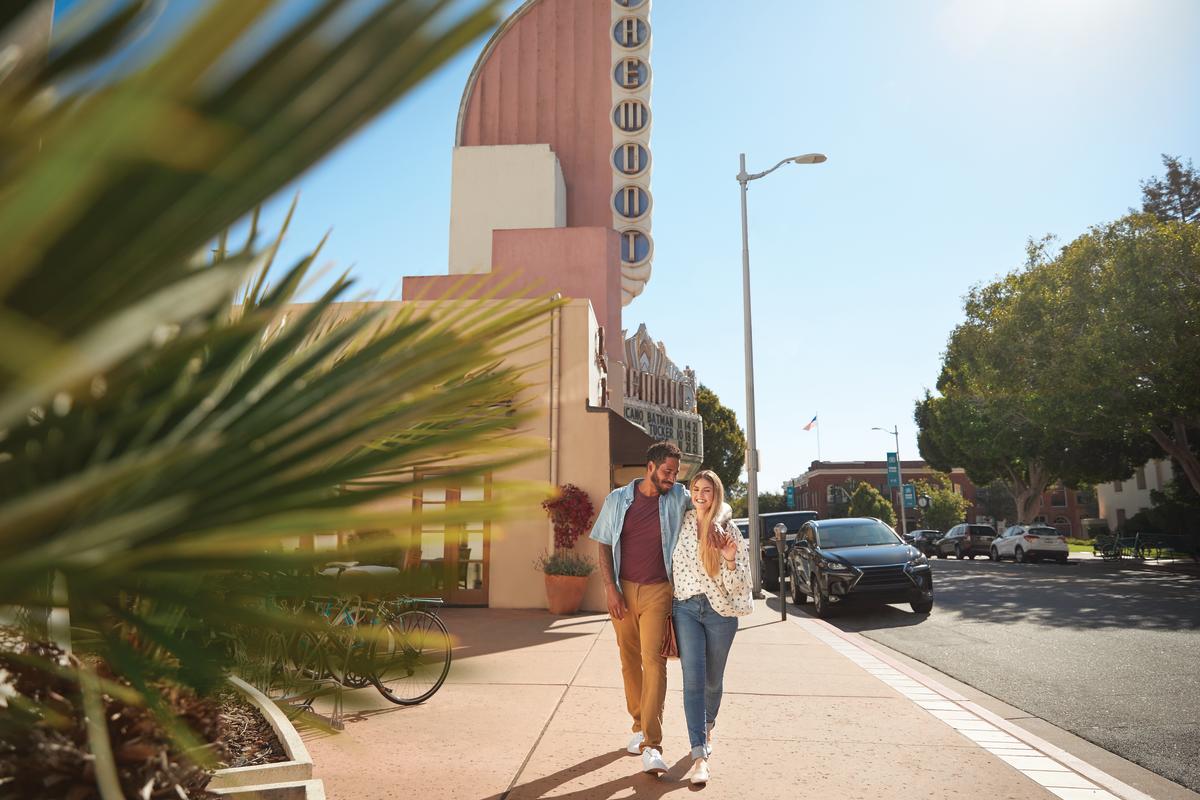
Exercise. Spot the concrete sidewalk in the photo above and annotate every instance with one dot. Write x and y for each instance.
(534, 708)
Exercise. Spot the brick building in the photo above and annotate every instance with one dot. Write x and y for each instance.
(823, 487)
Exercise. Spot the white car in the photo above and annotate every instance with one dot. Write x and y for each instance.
(1030, 543)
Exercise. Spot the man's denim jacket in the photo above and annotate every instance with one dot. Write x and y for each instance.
(607, 528)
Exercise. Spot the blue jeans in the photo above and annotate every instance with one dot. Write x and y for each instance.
(704, 638)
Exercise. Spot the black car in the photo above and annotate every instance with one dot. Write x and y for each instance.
(857, 559)
(924, 540)
(966, 540)
(768, 553)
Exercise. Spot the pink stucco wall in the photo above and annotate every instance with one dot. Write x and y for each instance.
(532, 262)
(546, 81)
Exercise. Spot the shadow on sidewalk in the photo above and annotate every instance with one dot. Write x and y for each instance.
(482, 631)
(637, 784)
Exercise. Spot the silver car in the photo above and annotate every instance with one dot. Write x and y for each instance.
(1030, 543)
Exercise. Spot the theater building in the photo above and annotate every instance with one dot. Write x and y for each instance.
(551, 194)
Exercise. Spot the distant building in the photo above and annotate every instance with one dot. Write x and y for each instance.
(823, 487)
(1120, 500)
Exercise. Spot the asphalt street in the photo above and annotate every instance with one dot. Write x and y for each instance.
(1107, 652)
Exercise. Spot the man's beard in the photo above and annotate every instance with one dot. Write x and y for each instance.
(659, 486)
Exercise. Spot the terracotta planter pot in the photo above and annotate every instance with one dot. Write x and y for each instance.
(564, 593)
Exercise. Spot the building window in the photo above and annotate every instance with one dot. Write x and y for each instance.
(1141, 477)
(1040, 519)
(1120, 518)
(1118, 487)
(1058, 497)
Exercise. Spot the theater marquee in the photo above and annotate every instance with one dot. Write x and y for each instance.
(660, 398)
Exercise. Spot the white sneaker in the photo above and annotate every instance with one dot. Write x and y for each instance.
(635, 744)
(699, 771)
(652, 762)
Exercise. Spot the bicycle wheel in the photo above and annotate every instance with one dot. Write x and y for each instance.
(412, 659)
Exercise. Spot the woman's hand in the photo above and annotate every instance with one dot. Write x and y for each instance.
(727, 544)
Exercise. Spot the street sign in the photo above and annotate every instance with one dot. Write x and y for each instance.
(790, 492)
(893, 470)
(910, 496)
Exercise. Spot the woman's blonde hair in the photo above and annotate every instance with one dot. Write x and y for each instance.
(710, 556)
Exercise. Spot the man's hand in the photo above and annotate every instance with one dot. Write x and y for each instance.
(616, 603)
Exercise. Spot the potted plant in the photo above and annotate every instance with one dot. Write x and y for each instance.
(571, 511)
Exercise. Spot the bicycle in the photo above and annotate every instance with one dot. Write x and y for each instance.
(416, 651)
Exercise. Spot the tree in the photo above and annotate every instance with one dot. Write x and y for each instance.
(996, 500)
(868, 502)
(1014, 403)
(1129, 298)
(724, 441)
(1175, 196)
(839, 504)
(163, 428)
(946, 508)
(768, 502)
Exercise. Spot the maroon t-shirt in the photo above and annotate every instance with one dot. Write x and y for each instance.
(641, 542)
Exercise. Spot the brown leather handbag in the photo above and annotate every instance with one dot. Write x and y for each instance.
(670, 648)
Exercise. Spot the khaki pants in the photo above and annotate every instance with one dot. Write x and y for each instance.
(644, 670)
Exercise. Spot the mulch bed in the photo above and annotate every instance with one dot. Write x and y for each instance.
(247, 735)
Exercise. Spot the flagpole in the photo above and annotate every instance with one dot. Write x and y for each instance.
(818, 418)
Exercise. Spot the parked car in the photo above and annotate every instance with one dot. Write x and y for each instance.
(1030, 543)
(924, 540)
(857, 559)
(768, 553)
(966, 540)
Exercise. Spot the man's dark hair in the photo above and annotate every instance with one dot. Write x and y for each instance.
(661, 451)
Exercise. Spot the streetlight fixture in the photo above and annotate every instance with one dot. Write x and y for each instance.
(751, 444)
(895, 431)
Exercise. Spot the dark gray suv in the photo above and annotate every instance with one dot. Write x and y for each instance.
(966, 540)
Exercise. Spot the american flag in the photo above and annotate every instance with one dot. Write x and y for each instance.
(811, 422)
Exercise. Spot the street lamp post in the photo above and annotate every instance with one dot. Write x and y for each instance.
(895, 431)
(751, 443)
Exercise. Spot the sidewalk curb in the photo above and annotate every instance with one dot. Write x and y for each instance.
(1048, 765)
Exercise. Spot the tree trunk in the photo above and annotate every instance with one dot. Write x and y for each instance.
(1178, 447)
(1027, 489)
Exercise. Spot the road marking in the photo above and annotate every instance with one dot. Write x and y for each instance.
(1051, 767)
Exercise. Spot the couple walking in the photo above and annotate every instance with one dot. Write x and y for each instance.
(672, 557)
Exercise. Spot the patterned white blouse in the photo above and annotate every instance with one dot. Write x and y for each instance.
(729, 593)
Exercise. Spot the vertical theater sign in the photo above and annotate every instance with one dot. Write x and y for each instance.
(631, 201)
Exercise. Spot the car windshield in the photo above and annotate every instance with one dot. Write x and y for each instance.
(1044, 531)
(859, 535)
(981, 530)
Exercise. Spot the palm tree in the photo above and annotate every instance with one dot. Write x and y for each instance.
(167, 417)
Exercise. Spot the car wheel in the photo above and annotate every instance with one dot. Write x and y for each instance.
(971, 556)
(821, 603)
(994, 555)
(1019, 556)
(798, 597)
(958, 552)
(1061, 559)
(941, 554)
(923, 606)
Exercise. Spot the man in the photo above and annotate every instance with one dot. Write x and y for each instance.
(637, 528)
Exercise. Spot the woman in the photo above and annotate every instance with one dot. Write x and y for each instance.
(712, 589)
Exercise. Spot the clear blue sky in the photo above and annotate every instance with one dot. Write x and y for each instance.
(955, 130)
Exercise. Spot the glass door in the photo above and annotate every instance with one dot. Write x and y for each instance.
(453, 559)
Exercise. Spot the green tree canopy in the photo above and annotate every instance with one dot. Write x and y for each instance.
(868, 502)
(947, 508)
(724, 441)
(1176, 195)
(1014, 403)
